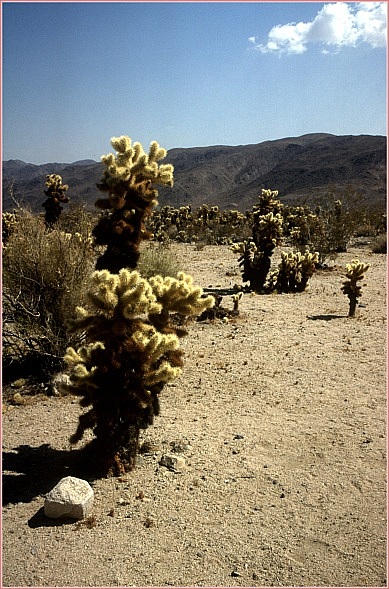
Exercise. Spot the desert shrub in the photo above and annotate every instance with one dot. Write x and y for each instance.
(379, 246)
(76, 219)
(158, 258)
(44, 275)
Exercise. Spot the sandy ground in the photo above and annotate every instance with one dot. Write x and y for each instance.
(280, 416)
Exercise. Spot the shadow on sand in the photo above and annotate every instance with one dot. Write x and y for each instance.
(325, 317)
(30, 472)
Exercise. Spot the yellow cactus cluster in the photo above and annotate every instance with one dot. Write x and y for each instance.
(179, 295)
(246, 248)
(54, 184)
(125, 294)
(122, 306)
(270, 227)
(295, 270)
(268, 202)
(133, 168)
(8, 224)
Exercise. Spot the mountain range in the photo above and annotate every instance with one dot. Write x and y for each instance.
(302, 169)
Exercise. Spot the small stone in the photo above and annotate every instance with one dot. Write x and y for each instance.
(18, 399)
(235, 574)
(238, 437)
(59, 383)
(71, 497)
(179, 447)
(172, 462)
(19, 383)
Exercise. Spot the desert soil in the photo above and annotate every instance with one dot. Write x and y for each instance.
(280, 415)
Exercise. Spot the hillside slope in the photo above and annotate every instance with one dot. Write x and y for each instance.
(300, 168)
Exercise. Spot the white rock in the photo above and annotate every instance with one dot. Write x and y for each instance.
(172, 461)
(71, 497)
(58, 384)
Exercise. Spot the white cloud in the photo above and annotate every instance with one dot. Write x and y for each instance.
(336, 25)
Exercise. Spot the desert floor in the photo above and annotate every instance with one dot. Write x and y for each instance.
(280, 415)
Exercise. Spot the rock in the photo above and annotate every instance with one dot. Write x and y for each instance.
(71, 497)
(18, 384)
(179, 447)
(18, 399)
(172, 462)
(58, 384)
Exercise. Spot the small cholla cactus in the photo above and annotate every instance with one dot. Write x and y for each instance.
(129, 179)
(8, 224)
(56, 193)
(294, 271)
(355, 272)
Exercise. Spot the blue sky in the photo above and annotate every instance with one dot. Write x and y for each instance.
(187, 74)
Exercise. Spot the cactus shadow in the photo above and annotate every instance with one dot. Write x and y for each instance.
(30, 472)
(224, 292)
(325, 317)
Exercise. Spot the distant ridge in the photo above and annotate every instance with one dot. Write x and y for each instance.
(300, 168)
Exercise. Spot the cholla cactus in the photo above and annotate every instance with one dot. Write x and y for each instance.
(267, 234)
(248, 251)
(8, 224)
(294, 271)
(129, 179)
(132, 351)
(131, 343)
(355, 272)
(56, 193)
(268, 203)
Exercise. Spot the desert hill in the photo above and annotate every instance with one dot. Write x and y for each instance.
(300, 168)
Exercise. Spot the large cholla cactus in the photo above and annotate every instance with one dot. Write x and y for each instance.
(294, 271)
(132, 351)
(56, 193)
(355, 272)
(131, 340)
(129, 179)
